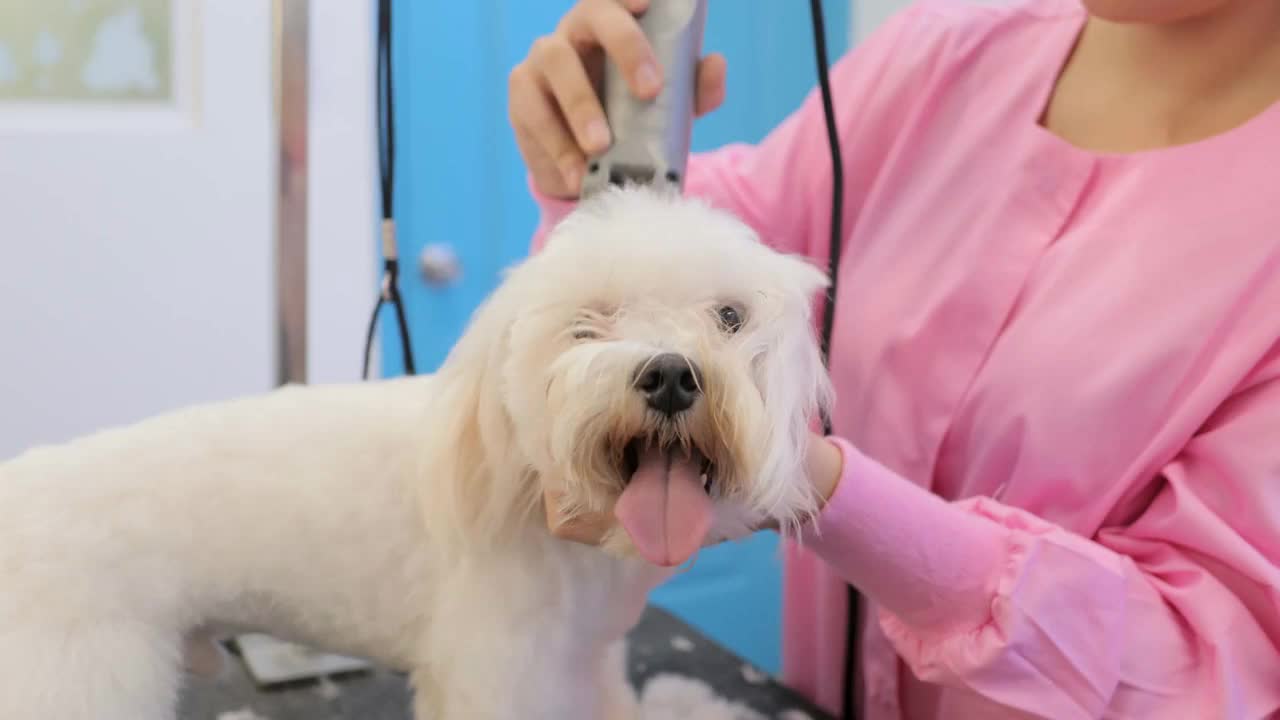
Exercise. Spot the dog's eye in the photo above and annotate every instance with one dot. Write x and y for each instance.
(730, 318)
(584, 334)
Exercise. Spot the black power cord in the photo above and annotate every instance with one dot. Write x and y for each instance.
(848, 710)
(390, 291)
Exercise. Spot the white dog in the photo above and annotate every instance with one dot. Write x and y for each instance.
(654, 360)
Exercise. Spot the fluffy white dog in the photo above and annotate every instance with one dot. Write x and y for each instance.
(654, 360)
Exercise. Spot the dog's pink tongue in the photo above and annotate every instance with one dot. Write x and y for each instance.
(664, 508)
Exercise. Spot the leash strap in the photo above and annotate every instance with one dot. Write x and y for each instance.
(390, 290)
(849, 694)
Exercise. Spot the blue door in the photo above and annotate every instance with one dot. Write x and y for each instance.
(461, 186)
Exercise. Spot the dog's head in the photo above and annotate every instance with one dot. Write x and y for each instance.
(656, 361)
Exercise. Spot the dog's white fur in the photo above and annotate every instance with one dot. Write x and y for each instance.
(401, 520)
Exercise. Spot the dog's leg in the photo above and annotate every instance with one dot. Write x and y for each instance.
(502, 686)
(621, 702)
(428, 696)
(477, 698)
(88, 671)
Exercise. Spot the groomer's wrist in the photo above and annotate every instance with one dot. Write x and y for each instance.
(824, 464)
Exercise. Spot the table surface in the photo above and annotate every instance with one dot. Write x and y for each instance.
(660, 644)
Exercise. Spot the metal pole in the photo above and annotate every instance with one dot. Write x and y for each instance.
(290, 70)
(264, 656)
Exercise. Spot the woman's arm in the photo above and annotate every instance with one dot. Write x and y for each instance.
(1176, 614)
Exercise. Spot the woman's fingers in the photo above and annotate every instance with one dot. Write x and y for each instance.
(542, 134)
(712, 77)
(612, 26)
(566, 79)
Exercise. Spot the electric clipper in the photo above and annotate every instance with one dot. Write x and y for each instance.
(651, 138)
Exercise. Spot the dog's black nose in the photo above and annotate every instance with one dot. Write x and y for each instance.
(670, 383)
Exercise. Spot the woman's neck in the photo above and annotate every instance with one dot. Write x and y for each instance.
(1133, 86)
(1197, 55)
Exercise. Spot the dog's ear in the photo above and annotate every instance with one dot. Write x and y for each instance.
(811, 282)
(798, 386)
(475, 489)
(805, 275)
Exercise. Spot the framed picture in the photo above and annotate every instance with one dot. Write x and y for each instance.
(97, 64)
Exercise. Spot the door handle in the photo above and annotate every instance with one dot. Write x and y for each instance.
(438, 265)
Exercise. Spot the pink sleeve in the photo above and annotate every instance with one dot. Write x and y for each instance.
(782, 186)
(1176, 614)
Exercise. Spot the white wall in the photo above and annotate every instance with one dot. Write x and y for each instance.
(341, 284)
(136, 265)
(133, 260)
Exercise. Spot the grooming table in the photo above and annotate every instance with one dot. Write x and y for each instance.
(660, 644)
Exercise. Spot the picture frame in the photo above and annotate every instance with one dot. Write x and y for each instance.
(99, 65)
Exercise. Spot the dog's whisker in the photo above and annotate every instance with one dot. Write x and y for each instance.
(693, 372)
(639, 375)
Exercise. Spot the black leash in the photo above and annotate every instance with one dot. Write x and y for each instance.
(848, 702)
(390, 291)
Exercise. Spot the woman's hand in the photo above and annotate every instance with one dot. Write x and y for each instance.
(553, 101)
(823, 466)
